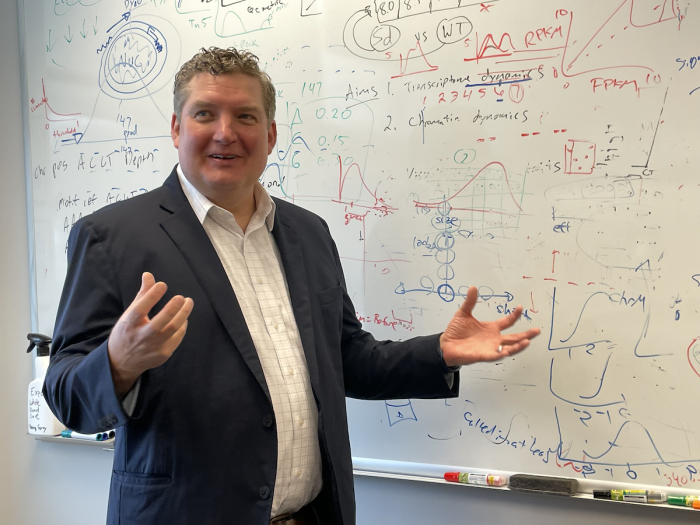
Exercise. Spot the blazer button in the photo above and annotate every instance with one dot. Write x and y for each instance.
(264, 492)
(267, 421)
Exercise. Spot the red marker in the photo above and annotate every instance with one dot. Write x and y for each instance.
(476, 479)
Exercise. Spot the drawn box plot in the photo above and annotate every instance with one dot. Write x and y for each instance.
(579, 157)
(400, 410)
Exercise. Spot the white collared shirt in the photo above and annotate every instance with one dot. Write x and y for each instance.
(254, 268)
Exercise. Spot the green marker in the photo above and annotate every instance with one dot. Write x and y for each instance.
(682, 501)
(676, 500)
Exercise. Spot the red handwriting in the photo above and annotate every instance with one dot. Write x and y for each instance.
(681, 480)
(608, 84)
(385, 321)
(532, 38)
(68, 131)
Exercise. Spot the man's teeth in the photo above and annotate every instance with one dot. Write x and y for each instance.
(224, 156)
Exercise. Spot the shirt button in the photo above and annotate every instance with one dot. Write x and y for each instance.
(301, 422)
(267, 421)
(260, 281)
(276, 326)
(264, 492)
(291, 371)
(299, 473)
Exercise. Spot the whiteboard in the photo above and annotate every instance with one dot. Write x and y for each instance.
(544, 151)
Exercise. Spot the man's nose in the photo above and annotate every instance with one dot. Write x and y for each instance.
(225, 129)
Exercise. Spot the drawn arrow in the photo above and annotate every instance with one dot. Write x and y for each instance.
(76, 137)
(82, 32)
(554, 256)
(532, 301)
(49, 46)
(94, 27)
(124, 18)
(70, 35)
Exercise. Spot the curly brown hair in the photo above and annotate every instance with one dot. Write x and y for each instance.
(218, 61)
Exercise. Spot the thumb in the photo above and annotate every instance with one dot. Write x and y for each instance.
(470, 301)
(147, 282)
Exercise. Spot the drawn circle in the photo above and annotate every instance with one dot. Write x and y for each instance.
(453, 30)
(444, 208)
(446, 223)
(427, 283)
(516, 93)
(694, 356)
(133, 61)
(446, 293)
(446, 273)
(485, 293)
(444, 241)
(384, 37)
(467, 156)
(445, 256)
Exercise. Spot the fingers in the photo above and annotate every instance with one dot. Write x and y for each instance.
(147, 299)
(512, 349)
(510, 319)
(510, 339)
(147, 281)
(172, 316)
(470, 301)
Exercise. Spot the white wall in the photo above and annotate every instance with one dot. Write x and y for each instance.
(39, 482)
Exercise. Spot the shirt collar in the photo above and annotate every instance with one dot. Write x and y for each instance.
(201, 205)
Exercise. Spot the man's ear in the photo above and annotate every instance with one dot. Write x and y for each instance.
(175, 130)
(271, 137)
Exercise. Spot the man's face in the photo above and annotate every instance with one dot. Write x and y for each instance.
(223, 137)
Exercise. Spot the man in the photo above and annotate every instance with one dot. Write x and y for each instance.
(230, 398)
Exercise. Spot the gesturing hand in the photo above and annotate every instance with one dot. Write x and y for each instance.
(138, 343)
(467, 340)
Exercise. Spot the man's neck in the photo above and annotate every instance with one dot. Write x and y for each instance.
(241, 208)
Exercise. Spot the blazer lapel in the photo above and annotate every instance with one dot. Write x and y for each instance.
(295, 269)
(189, 236)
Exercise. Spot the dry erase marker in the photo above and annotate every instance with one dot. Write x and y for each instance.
(601, 494)
(476, 479)
(696, 504)
(676, 500)
(690, 500)
(637, 496)
(78, 435)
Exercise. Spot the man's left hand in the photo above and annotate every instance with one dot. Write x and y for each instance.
(467, 340)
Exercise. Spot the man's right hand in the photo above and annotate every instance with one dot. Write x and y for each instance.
(138, 343)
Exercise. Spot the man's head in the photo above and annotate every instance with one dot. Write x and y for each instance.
(222, 126)
(217, 61)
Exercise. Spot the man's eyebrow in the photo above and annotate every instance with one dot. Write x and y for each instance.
(199, 104)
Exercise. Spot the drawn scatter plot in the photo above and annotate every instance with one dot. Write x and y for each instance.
(400, 410)
(579, 157)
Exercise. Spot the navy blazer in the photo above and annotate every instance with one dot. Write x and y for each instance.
(201, 445)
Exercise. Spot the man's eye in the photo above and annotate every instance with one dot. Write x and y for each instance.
(202, 113)
(246, 116)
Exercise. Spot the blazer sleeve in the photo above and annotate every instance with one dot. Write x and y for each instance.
(78, 385)
(390, 369)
